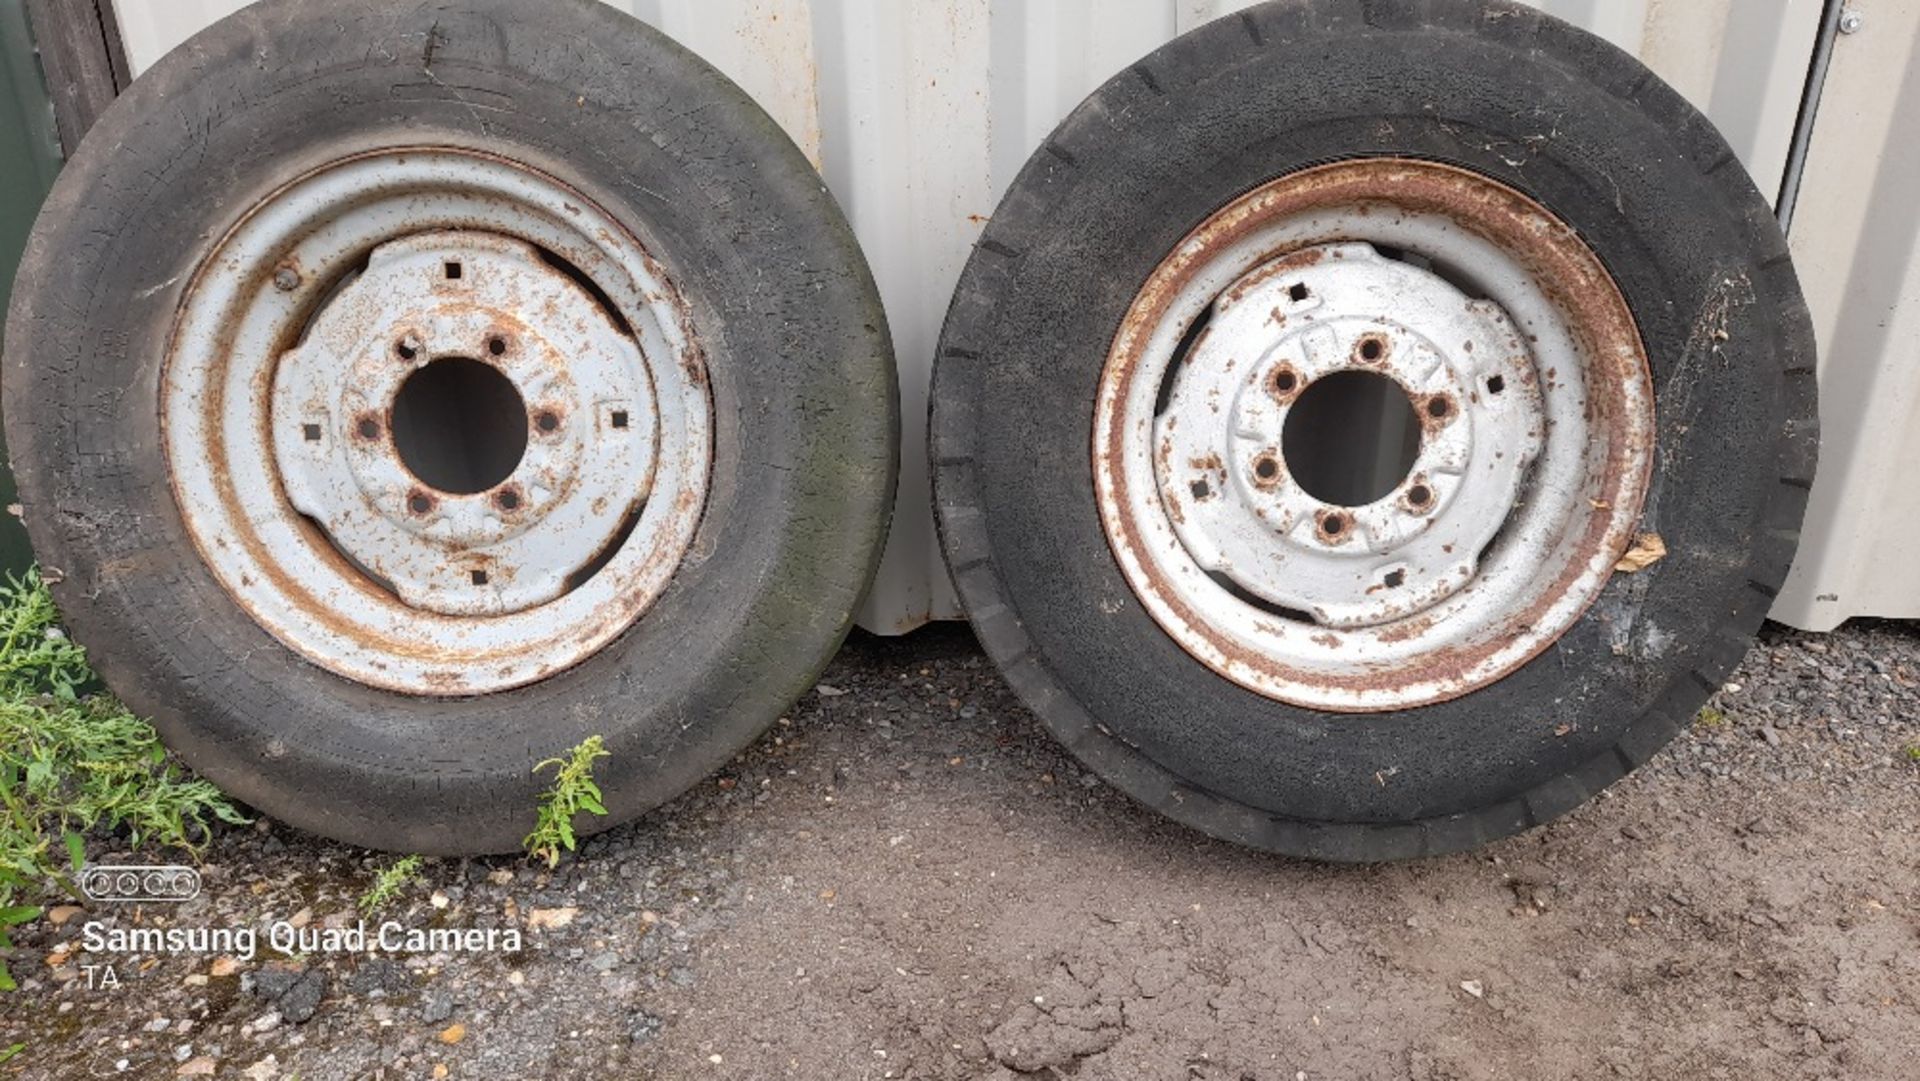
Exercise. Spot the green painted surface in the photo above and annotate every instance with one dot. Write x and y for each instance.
(29, 158)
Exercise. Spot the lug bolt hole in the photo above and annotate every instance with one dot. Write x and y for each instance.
(1438, 407)
(1266, 469)
(1334, 524)
(546, 420)
(497, 345)
(1420, 495)
(507, 499)
(1372, 349)
(407, 348)
(369, 428)
(1285, 381)
(419, 503)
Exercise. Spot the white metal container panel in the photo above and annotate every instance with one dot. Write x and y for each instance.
(1856, 242)
(919, 113)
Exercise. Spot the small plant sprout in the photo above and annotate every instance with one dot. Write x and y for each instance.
(388, 883)
(572, 793)
(1709, 717)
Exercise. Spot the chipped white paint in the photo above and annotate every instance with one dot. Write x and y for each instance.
(1431, 577)
(480, 594)
(473, 546)
(1223, 447)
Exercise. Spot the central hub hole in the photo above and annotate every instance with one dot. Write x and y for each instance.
(1351, 438)
(459, 425)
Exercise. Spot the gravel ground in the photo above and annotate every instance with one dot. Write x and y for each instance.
(907, 878)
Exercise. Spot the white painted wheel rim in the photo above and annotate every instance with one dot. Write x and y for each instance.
(278, 396)
(1519, 502)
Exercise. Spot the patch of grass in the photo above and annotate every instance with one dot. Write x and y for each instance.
(388, 884)
(573, 792)
(1709, 717)
(1913, 752)
(72, 761)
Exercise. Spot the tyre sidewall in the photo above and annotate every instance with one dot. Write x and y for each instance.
(805, 413)
(1591, 136)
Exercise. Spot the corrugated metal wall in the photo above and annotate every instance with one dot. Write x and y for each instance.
(919, 114)
(1856, 242)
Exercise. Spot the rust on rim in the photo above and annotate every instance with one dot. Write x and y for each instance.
(1546, 358)
(295, 467)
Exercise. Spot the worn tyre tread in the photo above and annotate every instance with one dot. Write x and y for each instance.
(755, 610)
(1022, 225)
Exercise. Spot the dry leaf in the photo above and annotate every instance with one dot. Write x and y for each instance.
(551, 918)
(453, 1033)
(1647, 550)
(224, 966)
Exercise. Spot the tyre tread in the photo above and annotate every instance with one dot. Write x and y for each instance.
(1292, 23)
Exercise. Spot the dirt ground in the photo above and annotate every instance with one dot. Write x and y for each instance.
(908, 879)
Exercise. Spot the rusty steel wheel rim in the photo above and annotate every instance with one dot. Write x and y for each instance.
(437, 421)
(1517, 358)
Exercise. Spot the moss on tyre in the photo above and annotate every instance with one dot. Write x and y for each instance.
(1141, 645)
(713, 418)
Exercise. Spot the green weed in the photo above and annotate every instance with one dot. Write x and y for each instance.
(73, 760)
(573, 792)
(1709, 717)
(388, 884)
